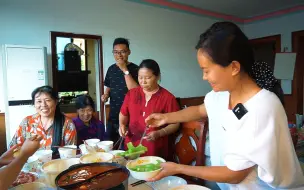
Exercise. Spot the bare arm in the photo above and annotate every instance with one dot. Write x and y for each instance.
(220, 174)
(151, 136)
(107, 91)
(8, 156)
(189, 114)
(131, 83)
(123, 122)
(106, 95)
(9, 173)
(172, 128)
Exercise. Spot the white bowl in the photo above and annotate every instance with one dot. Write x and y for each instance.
(53, 168)
(44, 155)
(105, 145)
(66, 152)
(118, 159)
(96, 157)
(143, 161)
(168, 183)
(30, 186)
(190, 187)
(92, 142)
(83, 149)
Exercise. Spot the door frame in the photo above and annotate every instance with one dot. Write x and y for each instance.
(268, 39)
(54, 35)
(297, 83)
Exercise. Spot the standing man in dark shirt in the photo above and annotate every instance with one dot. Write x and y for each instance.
(121, 77)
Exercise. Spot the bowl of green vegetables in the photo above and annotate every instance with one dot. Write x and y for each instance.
(146, 167)
(133, 152)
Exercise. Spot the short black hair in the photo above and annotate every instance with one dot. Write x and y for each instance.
(84, 101)
(152, 65)
(121, 41)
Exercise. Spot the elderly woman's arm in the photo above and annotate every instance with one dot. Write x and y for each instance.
(9, 173)
(172, 128)
(153, 135)
(123, 122)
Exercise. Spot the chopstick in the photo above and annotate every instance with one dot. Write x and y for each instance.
(89, 179)
(119, 141)
(138, 183)
(144, 134)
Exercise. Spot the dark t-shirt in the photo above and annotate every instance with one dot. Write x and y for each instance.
(115, 80)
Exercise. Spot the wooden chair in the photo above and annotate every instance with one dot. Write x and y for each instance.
(189, 146)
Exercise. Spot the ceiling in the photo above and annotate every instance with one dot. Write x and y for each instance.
(241, 8)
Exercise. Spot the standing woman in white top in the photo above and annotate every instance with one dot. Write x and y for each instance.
(250, 143)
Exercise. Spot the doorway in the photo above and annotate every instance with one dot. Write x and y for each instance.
(77, 69)
(297, 83)
(265, 49)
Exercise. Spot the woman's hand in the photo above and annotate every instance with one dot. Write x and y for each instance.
(8, 156)
(156, 120)
(30, 146)
(123, 130)
(168, 169)
(153, 135)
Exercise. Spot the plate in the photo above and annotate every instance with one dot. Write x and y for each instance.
(190, 187)
(30, 186)
(24, 178)
(167, 183)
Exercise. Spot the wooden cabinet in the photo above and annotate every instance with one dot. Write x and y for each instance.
(69, 81)
(2, 134)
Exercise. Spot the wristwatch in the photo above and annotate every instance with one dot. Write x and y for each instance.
(126, 72)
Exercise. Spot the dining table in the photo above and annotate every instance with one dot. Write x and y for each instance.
(42, 178)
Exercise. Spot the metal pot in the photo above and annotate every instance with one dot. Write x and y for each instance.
(123, 185)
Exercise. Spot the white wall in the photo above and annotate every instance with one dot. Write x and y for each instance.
(167, 36)
(283, 25)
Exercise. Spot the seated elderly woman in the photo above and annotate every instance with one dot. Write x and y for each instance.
(48, 122)
(87, 125)
(142, 101)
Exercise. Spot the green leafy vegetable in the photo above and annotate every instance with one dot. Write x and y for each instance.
(133, 151)
(147, 167)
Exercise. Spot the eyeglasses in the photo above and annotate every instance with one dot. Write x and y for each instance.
(123, 52)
